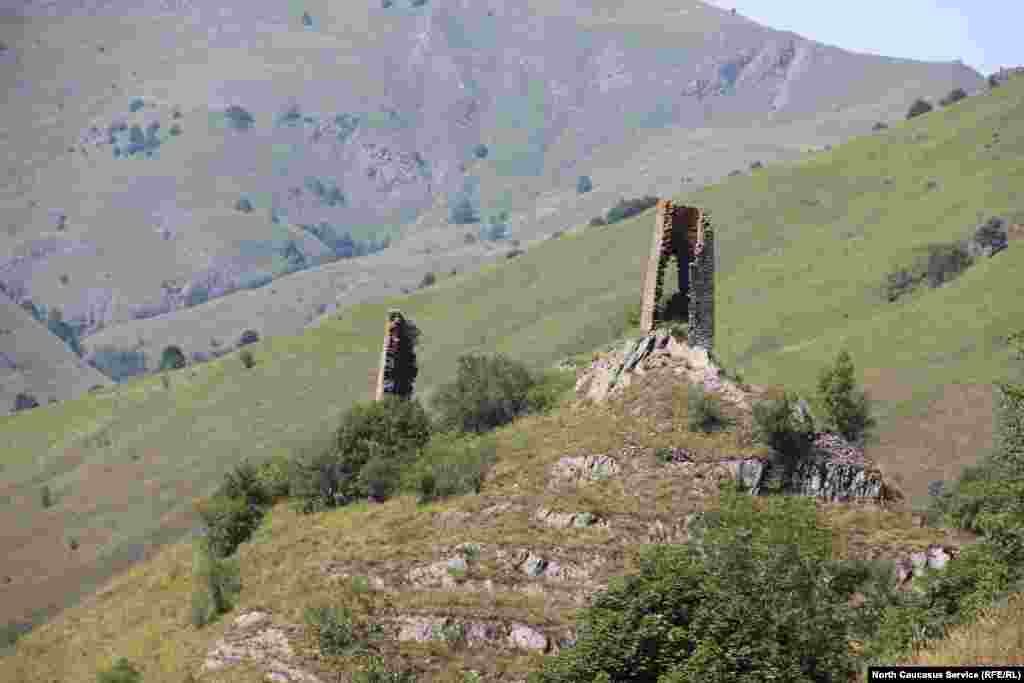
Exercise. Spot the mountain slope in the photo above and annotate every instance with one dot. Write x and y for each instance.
(367, 120)
(790, 272)
(36, 362)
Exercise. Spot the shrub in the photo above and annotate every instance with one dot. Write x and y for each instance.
(488, 391)
(627, 208)
(788, 435)
(393, 429)
(121, 671)
(993, 81)
(243, 205)
(690, 612)
(45, 497)
(25, 401)
(480, 151)
(379, 478)
(879, 125)
(64, 279)
(175, 130)
(955, 95)
(216, 584)
(172, 358)
(513, 253)
(757, 164)
(428, 280)
(244, 483)
(919, 107)
(469, 238)
(549, 390)
(946, 262)
(631, 316)
(704, 411)
(238, 118)
(597, 222)
(451, 465)
(847, 409)
(584, 184)
(229, 522)
(274, 476)
(248, 337)
(307, 20)
(248, 360)
(136, 104)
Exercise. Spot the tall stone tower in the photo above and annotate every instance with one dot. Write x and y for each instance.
(685, 234)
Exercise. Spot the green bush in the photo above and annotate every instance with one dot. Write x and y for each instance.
(480, 151)
(428, 280)
(393, 430)
(550, 389)
(247, 359)
(752, 603)
(122, 671)
(705, 411)
(847, 408)
(45, 497)
(919, 107)
(488, 391)
(216, 583)
(779, 427)
(274, 476)
(451, 465)
(172, 358)
(379, 477)
(229, 522)
(584, 184)
(243, 483)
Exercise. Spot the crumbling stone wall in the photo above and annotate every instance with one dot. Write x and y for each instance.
(683, 233)
(398, 370)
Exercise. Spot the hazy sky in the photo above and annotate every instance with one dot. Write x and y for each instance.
(985, 34)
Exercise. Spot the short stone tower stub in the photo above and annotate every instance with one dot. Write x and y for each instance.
(397, 370)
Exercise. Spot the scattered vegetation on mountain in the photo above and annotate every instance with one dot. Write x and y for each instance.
(920, 106)
(955, 95)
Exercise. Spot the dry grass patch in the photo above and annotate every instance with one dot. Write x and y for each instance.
(996, 638)
(868, 531)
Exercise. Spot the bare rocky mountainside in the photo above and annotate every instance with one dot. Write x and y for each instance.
(179, 172)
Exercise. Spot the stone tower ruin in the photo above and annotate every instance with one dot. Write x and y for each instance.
(683, 233)
(398, 370)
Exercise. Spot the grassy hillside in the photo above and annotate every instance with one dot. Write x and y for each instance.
(390, 103)
(795, 282)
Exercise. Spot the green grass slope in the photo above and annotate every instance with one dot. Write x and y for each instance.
(793, 286)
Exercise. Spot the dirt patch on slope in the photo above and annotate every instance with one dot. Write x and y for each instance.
(955, 431)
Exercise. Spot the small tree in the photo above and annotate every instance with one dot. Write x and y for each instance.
(173, 358)
(243, 205)
(463, 212)
(45, 497)
(307, 20)
(480, 151)
(584, 184)
(847, 409)
(919, 107)
(488, 391)
(428, 280)
(247, 359)
(238, 118)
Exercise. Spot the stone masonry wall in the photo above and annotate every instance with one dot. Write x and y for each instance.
(702, 287)
(397, 363)
(685, 233)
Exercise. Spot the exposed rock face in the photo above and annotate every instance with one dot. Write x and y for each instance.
(573, 470)
(253, 637)
(828, 480)
(473, 632)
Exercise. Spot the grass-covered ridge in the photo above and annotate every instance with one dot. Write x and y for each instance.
(796, 281)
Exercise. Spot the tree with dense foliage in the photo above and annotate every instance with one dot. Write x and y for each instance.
(172, 358)
(392, 430)
(488, 391)
(847, 408)
(584, 184)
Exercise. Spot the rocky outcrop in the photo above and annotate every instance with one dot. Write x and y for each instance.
(471, 632)
(253, 637)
